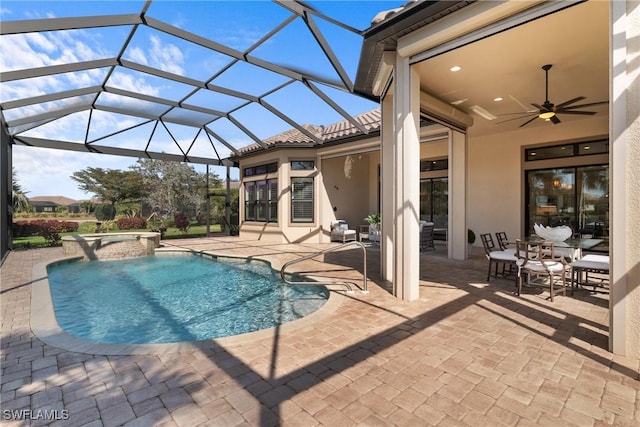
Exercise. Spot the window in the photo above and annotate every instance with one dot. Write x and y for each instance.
(261, 169)
(567, 150)
(302, 165)
(301, 199)
(261, 200)
(434, 165)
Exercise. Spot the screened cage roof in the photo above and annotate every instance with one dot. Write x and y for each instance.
(186, 81)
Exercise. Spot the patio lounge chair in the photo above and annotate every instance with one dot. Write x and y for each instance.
(341, 232)
(497, 257)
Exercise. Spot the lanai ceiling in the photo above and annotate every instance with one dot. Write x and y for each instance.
(140, 83)
(508, 65)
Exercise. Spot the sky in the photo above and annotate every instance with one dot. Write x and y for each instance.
(237, 24)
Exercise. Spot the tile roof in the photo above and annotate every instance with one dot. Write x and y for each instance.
(58, 200)
(333, 132)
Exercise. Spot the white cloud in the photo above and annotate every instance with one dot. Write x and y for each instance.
(167, 57)
(46, 172)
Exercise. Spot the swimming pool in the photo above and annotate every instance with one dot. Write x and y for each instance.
(169, 298)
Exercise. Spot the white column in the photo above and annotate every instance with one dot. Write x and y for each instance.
(406, 180)
(387, 189)
(624, 195)
(457, 233)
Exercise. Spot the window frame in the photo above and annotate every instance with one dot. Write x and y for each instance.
(295, 201)
(262, 198)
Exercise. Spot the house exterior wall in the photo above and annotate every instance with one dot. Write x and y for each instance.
(346, 188)
(496, 172)
(347, 182)
(632, 172)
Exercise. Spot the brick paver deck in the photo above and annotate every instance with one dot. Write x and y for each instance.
(467, 352)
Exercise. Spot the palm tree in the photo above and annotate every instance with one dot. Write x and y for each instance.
(19, 199)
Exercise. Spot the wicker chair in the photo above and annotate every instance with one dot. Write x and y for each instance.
(426, 236)
(341, 232)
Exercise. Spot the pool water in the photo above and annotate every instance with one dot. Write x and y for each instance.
(173, 298)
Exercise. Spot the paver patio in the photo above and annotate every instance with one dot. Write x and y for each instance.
(467, 352)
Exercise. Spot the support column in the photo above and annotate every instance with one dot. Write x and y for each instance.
(227, 201)
(6, 195)
(406, 251)
(387, 198)
(624, 183)
(457, 226)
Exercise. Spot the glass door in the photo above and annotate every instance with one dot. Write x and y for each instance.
(575, 196)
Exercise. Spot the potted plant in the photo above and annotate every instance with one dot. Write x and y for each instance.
(373, 219)
(374, 226)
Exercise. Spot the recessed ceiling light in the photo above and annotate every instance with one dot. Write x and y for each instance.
(498, 99)
(534, 153)
(455, 68)
(587, 147)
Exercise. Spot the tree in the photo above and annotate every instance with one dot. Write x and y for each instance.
(19, 199)
(111, 185)
(173, 187)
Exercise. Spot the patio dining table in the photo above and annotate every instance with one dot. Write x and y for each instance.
(570, 248)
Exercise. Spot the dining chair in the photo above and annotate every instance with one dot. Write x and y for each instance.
(496, 256)
(589, 264)
(539, 258)
(503, 242)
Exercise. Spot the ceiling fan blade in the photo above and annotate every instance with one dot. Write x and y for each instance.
(541, 108)
(571, 101)
(555, 120)
(520, 113)
(584, 113)
(529, 121)
(591, 104)
(514, 118)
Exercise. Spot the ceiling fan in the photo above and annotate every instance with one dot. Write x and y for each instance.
(549, 111)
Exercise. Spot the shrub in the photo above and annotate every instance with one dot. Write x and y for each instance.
(201, 218)
(131, 223)
(49, 229)
(181, 222)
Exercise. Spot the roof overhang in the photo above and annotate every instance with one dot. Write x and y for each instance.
(384, 36)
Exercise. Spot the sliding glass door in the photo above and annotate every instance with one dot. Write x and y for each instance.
(434, 196)
(574, 196)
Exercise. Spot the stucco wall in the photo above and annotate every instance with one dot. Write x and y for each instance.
(347, 183)
(496, 177)
(632, 178)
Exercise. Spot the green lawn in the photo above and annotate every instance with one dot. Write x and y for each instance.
(171, 233)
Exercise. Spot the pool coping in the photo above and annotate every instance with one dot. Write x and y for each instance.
(45, 326)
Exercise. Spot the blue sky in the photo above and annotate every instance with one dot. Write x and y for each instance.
(237, 24)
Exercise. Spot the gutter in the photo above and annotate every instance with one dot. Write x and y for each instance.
(384, 36)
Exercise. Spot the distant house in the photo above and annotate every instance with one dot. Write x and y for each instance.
(51, 203)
